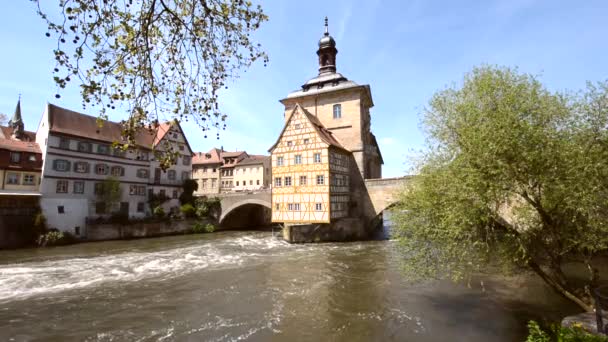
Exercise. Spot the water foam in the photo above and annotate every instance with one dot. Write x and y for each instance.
(24, 280)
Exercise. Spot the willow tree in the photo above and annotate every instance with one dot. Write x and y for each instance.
(153, 57)
(514, 175)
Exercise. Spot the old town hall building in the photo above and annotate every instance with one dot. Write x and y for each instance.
(326, 147)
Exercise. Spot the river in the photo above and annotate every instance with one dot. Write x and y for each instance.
(234, 286)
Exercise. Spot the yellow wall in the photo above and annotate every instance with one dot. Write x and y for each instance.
(21, 187)
(305, 195)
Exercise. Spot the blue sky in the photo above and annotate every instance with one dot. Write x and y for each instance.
(406, 50)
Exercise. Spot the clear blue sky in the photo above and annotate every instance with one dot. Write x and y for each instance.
(406, 50)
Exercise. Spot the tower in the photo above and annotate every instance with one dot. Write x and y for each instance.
(341, 106)
(16, 123)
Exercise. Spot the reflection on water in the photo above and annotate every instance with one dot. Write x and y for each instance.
(232, 286)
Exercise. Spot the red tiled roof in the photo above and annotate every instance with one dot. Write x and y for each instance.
(8, 132)
(253, 160)
(69, 122)
(20, 146)
(200, 158)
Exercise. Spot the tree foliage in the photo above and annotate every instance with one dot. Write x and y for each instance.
(110, 193)
(189, 187)
(513, 174)
(155, 57)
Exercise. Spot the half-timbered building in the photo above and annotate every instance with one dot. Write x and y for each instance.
(310, 172)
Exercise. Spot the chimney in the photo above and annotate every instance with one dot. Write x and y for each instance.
(222, 148)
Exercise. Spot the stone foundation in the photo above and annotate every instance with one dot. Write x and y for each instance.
(346, 229)
(98, 232)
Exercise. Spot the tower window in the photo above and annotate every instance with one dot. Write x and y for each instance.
(337, 111)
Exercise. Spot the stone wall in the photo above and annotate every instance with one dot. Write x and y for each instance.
(346, 229)
(98, 232)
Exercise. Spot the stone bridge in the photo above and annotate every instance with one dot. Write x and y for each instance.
(382, 193)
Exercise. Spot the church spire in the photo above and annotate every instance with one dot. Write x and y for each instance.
(16, 123)
(327, 52)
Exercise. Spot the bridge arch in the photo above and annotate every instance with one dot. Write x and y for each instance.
(236, 205)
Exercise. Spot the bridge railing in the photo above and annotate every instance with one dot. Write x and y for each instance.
(386, 181)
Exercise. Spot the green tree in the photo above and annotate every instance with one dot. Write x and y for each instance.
(189, 187)
(109, 193)
(153, 56)
(513, 175)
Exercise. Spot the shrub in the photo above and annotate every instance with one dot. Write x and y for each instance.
(55, 238)
(159, 212)
(198, 228)
(209, 228)
(188, 210)
(561, 334)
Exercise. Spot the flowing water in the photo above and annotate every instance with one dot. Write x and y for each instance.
(234, 286)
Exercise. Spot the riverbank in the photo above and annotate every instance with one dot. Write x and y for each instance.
(234, 285)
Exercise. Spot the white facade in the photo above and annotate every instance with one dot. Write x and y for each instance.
(252, 176)
(75, 166)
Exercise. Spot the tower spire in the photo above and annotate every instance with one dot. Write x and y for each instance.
(17, 122)
(327, 52)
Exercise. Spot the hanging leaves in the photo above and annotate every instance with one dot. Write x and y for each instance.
(157, 58)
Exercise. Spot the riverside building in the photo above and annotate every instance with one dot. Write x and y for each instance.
(79, 156)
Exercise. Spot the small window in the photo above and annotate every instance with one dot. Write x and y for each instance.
(32, 158)
(276, 206)
(140, 207)
(337, 111)
(277, 181)
(320, 179)
(297, 159)
(142, 173)
(250, 182)
(186, 160)
(29, 179)
(101, 169)
(98, 188)
(60, 209)
(289, 143)
(61, 165)
(81, 167)
(162, 193)
(279, 161)
(257, 182)
(174, 194)
(296, 206)
(13, 178)
(318, 206)
(62, 186)
(181, 147)
(317, 157)
(237, 183)
(103, 149)
(84, 146)
(64, 143)
(306, 141)
(171, 174)
(78, 187)
(302, 180)
(297, 126)
(118, 171)
(185, 175)
(15, 157)
(290, 206)
(287, 181)
(118, 152)
(77, 230)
